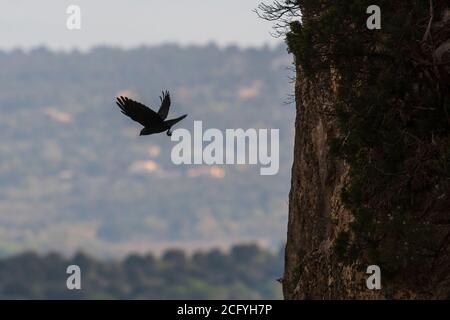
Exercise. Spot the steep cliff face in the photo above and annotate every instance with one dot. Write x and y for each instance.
(318, 215)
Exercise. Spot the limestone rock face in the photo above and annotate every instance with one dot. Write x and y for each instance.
(315, 211)
(316, 214)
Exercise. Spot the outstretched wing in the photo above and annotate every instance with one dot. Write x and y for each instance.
(137, 111)
(165, 105)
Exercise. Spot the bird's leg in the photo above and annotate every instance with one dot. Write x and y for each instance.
(169, 133)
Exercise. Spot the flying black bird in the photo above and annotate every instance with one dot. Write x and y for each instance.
(153, 122)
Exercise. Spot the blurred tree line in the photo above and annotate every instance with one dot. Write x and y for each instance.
(247, 271)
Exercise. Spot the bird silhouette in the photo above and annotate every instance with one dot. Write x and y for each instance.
(153, 122)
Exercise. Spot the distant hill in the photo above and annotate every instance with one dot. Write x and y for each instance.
(75, 175)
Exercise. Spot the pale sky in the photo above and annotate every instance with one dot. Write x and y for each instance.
(131, 23)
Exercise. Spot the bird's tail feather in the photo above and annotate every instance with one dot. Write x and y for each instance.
(171, 122)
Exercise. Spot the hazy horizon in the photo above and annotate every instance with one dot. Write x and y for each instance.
(181, 46)
(141, 23)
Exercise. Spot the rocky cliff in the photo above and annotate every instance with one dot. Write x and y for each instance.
(318, 214)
